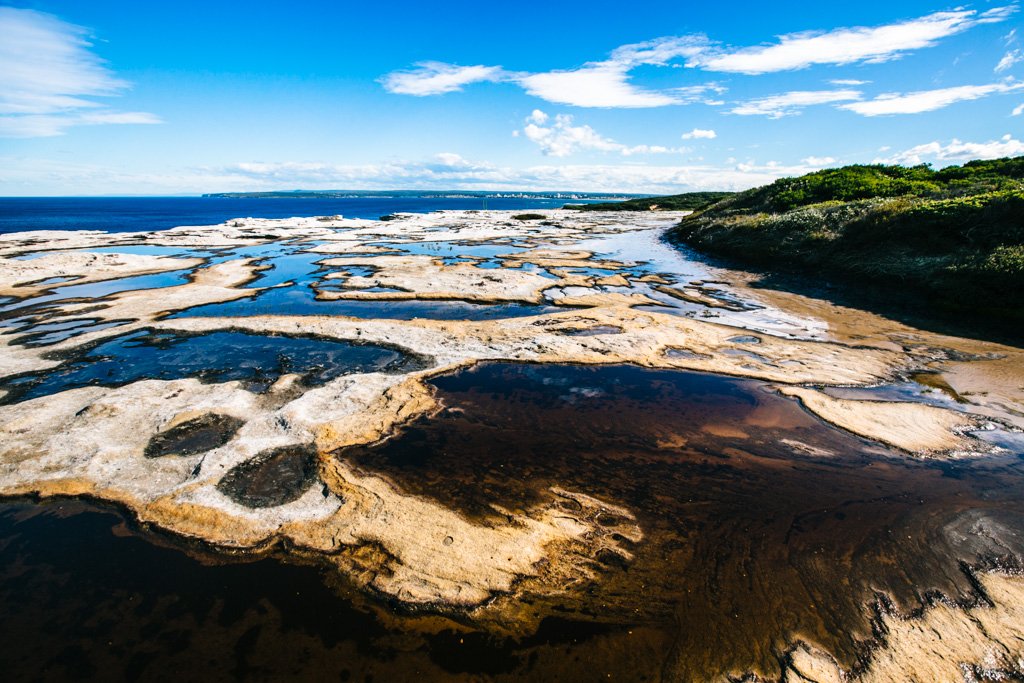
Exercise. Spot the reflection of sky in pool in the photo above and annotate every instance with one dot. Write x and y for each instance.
(258, 360)
(301, 301)
(95, 290)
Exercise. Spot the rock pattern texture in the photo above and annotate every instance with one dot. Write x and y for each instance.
(247, 470)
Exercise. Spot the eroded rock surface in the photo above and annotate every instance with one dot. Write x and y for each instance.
(248, 469)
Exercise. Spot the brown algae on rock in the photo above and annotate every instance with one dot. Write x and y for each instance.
(198, 435)
(271, 478)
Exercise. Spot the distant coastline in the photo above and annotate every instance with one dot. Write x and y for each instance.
(132, 214)
(421, 194)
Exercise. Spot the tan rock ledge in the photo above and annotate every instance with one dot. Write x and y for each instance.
(20, 278)
(945, 644)
(424, 277)
(914, 427)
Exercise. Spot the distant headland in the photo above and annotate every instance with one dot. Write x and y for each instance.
(428, 194)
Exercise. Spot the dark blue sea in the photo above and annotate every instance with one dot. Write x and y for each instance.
(128, 214)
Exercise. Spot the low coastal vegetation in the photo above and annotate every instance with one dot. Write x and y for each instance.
(690, 201)
(955, 235)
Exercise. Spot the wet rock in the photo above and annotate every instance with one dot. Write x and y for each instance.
(594, 331)
(274, 477)
(197, 435)
(744, 339)
(684, 354)
(934, 380)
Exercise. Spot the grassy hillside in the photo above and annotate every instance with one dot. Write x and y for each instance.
(691, 201)
(955, 236)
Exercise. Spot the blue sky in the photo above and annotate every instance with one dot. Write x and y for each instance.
(186, 97)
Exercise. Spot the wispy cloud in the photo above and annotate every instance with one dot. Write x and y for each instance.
(559, 137)
(49, 78)
(1018, 110)
(927, 100)
(790, 103)
(603, 83)
(955, 151)
(484, 176)
(437, 78)
(444, 171)
(700, 134)
(609, 82)
(847, 45)
(50, 125)
(1009, 59)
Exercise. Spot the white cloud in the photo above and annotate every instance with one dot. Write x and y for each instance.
(956, 150)
(790, 103)
(562, 138)
(452, 160)
(136, 117)
(49, 78)
(699, 93)
(437, 78)
(927, 100)
(659, 51)
(1018, 110)
(848, 81)
(606, 83)
(847, 45)
(603, 83)
(700, 134)
(25, 176)
(538, 117)
(818, 161)
(483, 176)
(1008, 60)
(50, 125)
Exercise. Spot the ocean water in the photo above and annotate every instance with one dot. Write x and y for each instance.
(129, 214)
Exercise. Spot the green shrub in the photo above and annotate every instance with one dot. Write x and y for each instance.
(956, 234)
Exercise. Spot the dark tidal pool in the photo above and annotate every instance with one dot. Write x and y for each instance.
(258, 360)
(760, 522)
(300, 300)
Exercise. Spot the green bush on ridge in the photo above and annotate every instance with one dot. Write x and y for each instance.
(955, 234)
